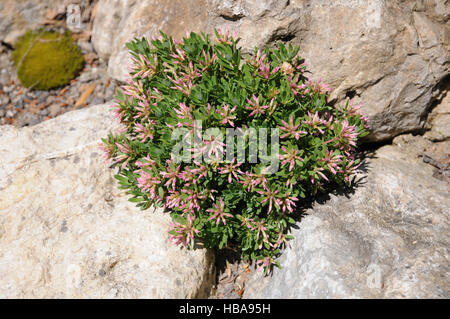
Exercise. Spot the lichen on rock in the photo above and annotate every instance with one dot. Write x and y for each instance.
(46, 59)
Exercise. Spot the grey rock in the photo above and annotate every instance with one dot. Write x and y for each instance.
(44, 112)
(67, 231)
(18, 16)
(88, 76)
(54, 110)
(27, 119)
(86, 47)
(18, 101)
(11, 113)
(97, 100)
(388, 239)
(439, 121)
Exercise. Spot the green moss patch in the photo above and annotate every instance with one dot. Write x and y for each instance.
(46, 60)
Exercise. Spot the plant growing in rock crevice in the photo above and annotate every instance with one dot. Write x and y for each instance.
(234, 202)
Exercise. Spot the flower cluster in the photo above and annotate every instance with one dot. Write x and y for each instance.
(175, 85)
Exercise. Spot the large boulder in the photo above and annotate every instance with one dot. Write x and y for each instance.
(388, 55)
(66, 231)
(390, 238)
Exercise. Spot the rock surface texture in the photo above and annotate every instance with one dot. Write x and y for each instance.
(18, 16)
(66, 231)
(388, 239)
(439, 120)
(391, 56)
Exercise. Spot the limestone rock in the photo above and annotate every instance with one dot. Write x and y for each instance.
(118, 22)
(439, 120)
(388, 55)
(18, 16)
(388, 239)
(66, 231)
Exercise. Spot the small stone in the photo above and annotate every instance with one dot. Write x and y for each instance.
(54, 109)
(10, 113)
(44, 112)
(86, 47)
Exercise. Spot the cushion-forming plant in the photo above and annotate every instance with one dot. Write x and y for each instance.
(173, 149)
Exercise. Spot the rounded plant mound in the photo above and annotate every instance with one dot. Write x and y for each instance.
(230, 144)
(46, 60)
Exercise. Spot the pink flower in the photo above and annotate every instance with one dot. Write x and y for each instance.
(293, 83)
(179, 56)
(287, 203)
(184, 112)
(134, 89)
(148, 183)
(191, 73)
(193, 198)
(264, 70)
(231, 169)
(248, 222)
(259, 179)
(255, 107)
(270, 196)
(223, 36)
(108, 151)
(144, 132)
(200, 171)
(143, 109)
(291, 129)
(265, 264)
(214, 146)
(350, 169)
(318, 171)
(125, 156)
(247, 180)
(174, 200)
(272, 106)
(260, 227)
(219, 212)
(314, 121)
(188, 175)
(119, 113)
(290, 157)
(258, 60)
(183, 85)
(143, 67)
(226, 115)
(332, 161)
(208, 61)
(347, 136)
(282, 239)
(318, 87)
(171, 175)
(148, 162)
(184, 234)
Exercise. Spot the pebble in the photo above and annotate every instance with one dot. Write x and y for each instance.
(85, 46)
(8, 89)
(44, 112)
(18, 101)
(10, 113)
(54, 110)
